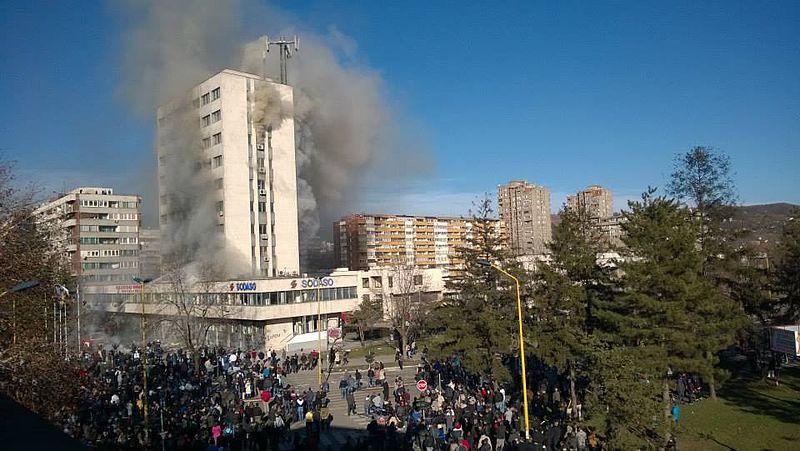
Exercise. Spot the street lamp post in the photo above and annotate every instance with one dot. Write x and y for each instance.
(141, 283)
(319, 332)
(521, 342)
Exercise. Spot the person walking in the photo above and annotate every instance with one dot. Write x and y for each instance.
(343, 387)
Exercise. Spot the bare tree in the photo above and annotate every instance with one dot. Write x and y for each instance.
(405, 307)
(190, 307)
(30, 361)
(369, 312)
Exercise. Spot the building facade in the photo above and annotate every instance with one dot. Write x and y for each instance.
(150, 253)
(98, 232)
(246, 139)
(271, 313)
(596, 201)
(525, 213)
(363, 242)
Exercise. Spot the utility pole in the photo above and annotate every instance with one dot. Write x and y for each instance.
(285, 48)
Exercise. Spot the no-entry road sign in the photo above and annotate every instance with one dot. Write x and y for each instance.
(422, 385)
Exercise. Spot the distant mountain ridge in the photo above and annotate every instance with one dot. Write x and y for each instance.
(761, 225)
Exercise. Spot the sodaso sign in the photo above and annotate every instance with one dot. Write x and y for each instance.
(316, 283)
(243, 286)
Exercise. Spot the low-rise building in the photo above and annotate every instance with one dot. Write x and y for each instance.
(267, 313)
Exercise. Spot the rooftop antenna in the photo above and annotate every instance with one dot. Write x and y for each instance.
(286, 47)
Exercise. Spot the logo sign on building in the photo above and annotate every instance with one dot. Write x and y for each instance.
(316, 283)
(422, 385)
(242, 286)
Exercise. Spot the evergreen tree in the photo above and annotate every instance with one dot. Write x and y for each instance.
(624, 402)
(668, 313)
(478, 322)
(702, 180)
(565, 293)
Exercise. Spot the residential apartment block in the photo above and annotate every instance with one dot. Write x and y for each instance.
(363, 242)
(248, 160)
(98, 232)
(595, 200)
(525, 213)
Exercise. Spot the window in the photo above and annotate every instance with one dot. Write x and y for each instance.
(206, 143)
(391, 281)
(418, 279)
(218, 183)
(260, 184)
(220, 205)
(262, 229)
(206, 121)
(262, 207)
(205, 99)
(216, 116)
(365, 283)
(215, 94)
(216, 161)
(217, 138)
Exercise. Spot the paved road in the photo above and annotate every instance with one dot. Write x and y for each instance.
(345, 426)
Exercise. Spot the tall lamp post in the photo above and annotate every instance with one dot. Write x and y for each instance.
(22, 286)
(487, 263)
(141, 283)
(319, 332)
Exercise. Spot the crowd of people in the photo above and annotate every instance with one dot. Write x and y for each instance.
(222, 399)
(463, 411)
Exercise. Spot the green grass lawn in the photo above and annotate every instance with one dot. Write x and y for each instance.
(750, 414)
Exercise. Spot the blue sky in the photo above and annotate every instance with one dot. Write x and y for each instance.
(564, 94)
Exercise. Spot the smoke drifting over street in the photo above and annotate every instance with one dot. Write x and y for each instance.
(344, 126)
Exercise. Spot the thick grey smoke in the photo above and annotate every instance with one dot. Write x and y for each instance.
(344, 126)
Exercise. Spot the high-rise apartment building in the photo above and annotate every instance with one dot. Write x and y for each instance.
(363, 242)
(150, 253)
(98, 232)
(246, 140)
(595, 201)
(525, 213)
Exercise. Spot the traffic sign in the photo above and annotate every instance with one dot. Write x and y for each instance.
(422, 385)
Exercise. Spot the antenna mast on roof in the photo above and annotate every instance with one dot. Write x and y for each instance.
(286, 47)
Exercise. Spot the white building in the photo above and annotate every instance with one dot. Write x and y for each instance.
(98, 232)
(247, 149)
(271, 313)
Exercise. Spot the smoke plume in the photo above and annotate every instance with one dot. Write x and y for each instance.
(344, 126)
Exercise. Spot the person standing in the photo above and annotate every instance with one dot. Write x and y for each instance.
(351, 403)
(580, 438)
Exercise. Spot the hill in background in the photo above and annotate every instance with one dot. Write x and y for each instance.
(762, 225)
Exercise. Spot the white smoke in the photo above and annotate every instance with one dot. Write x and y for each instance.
(344, 126)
